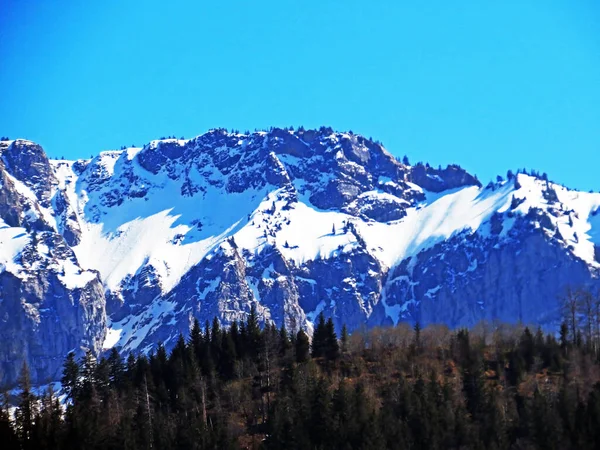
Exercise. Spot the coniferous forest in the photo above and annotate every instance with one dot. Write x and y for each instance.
(492, 387)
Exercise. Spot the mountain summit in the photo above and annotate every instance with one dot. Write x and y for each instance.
(127, 248)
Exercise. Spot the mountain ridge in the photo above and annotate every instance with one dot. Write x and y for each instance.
(292, 222)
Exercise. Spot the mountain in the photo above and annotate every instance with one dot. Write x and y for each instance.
(127, 248)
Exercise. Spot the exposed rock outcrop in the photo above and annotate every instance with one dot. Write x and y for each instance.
(292, 222)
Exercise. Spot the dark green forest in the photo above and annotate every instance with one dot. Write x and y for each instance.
(491, 387)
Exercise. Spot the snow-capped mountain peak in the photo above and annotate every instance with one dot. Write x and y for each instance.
(293, 222)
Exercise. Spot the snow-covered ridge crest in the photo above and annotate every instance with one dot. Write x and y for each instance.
(295, 222)
(168, 203)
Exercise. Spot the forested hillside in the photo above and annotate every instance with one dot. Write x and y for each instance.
(492, 387)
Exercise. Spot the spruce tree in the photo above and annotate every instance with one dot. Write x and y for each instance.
(234, 331)
(216, 338)
(332, 348)
(253, 333)
(321, 420)
(344, 339)
(228, 357)
(527, 348)
(116, 368)
(319, 341)
(417, 340)
(564, 338)
(8, 437)
(196, 339)
(302, 347)
(284, 341)
(49, 422)
(70, 377)
(88, 375)
(26, 409)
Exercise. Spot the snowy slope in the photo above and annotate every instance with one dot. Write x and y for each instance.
(171, 217)
(12, 242)
(49, 304)
(299, 222)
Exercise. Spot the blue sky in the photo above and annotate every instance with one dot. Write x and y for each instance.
(488, 85)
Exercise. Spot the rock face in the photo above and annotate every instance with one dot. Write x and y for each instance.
(49, 305)
(43, 320)
(292, 222)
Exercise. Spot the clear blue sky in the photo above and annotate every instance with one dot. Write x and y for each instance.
(491, 85)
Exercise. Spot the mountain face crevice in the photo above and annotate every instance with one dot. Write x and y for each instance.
(128, 248)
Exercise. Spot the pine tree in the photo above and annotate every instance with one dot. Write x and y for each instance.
(116, 368)
(165, 401)
(345, 338)
(228, 357)
(544, 426)
(302, 347)
(8, 437)
(253, 333)
(196, 339)
(373, 437)
(564, 337)
(284, 341)
(70, 377)
(319, 341)
(321, 420)
(48, 422)
(332, 348)
(592, 415)
(417, 340)
(527, 348)
(207, 362)
(242, 343)
(26, 409)
(88, 375)
(216, 337)
(102, 378)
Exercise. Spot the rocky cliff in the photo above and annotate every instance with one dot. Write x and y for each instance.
(293, 222)
(49, 305)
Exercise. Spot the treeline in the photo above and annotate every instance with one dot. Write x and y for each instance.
(492, 387)
(581, 319)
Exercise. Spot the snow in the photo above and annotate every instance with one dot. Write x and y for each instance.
(210, 287)
(312, 316)
(132, 219)
(108, 159)
(73, 277)
(156, 142)
(307, 280)
(36, 210)
(382, 197)
(585, 226)
(307, 231)
(584, 232)
(174, 232)
(140, 242)
(431, 292)
(391, 311)
(439, 217)
(12, 242)
(170, 231)
(112, 337)
(445, 214)
(132, 152)
(131, 331)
